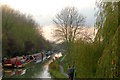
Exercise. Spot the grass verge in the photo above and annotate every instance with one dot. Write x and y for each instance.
(54, 69)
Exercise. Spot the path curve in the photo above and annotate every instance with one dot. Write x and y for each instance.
(61, 67)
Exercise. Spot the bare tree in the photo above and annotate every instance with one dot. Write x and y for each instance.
(68, 21)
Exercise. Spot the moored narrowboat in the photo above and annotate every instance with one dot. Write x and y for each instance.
(11, 62)
(25, 61)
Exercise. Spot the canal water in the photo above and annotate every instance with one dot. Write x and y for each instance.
(40, 70)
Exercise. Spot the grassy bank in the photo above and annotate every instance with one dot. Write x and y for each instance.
(54, 69)
(83, 58)
(93, 60)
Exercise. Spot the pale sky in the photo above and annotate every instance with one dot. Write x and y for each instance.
(43, 11)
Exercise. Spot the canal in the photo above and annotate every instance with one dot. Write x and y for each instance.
(40, 70)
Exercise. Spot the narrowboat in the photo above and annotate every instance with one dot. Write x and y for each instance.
(29, 60)
(25, 62)
(11, 62)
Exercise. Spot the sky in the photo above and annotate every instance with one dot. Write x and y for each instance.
(44, 11)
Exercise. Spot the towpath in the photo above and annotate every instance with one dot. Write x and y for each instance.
(61, 67)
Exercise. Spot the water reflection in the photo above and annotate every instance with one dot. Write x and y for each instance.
(12, 72)
(23, 73)
(8, 72)
(43, 74)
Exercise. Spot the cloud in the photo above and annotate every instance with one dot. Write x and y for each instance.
(43, 11)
